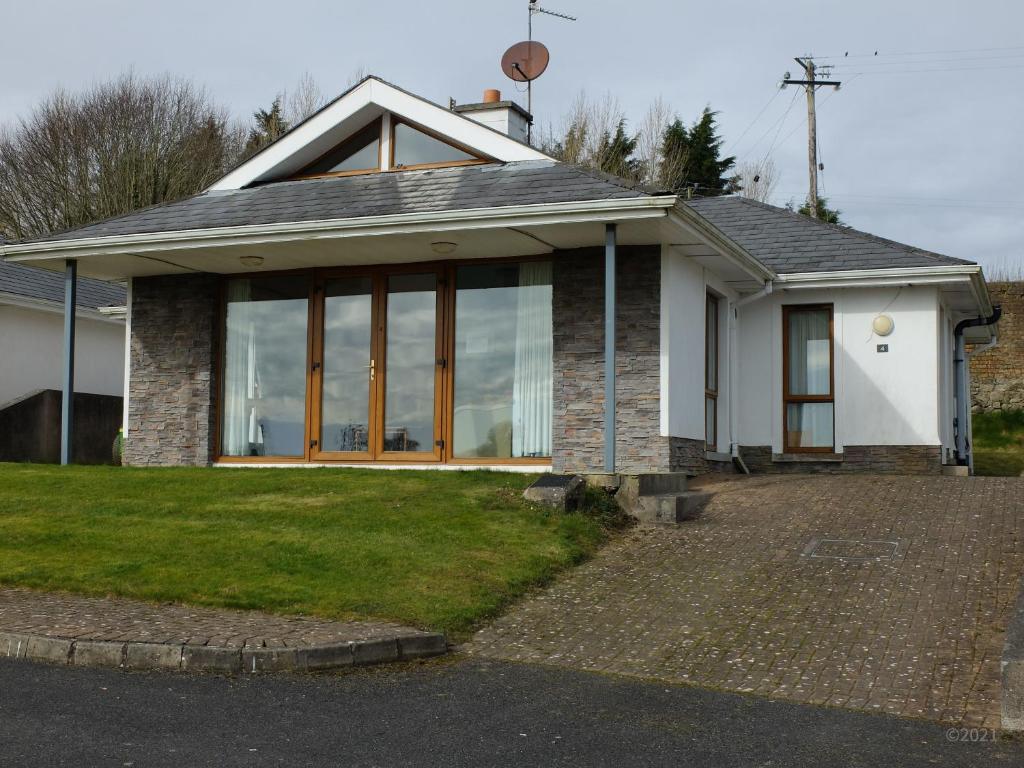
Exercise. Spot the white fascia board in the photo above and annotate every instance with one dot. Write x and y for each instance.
(949, 274)
(710, 235)
(899, 274)
(57, 308)
(371, 91)
(617, 210)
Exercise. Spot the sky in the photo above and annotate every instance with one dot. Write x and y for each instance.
(922, 143)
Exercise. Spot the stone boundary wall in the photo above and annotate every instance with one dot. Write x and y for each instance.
(997, 375)
(172, 393)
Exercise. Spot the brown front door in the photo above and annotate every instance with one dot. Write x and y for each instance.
(377, 367)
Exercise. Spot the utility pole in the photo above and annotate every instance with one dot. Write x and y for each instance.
(811, 85)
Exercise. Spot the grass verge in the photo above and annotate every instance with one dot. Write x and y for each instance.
(440, 550)
(999, 443)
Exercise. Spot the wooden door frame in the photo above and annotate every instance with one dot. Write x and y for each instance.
(317, 333)
(435, 454)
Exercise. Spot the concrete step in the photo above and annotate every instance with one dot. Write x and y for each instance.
(670, 508)
(658, 483)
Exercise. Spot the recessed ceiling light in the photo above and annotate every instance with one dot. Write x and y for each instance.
(251, 261)
(443, 247)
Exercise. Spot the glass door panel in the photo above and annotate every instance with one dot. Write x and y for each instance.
(410, 413)
(348, 369)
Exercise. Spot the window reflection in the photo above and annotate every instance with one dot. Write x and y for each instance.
(503, 364)
(265, 367)
(345, 402)
(413, 147)
(411, 361)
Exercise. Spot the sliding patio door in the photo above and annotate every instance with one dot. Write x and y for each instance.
(377, 368)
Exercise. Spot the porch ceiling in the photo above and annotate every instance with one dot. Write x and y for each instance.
(366, 249)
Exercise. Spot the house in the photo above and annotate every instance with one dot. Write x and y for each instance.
(397, 283)
(31, 343)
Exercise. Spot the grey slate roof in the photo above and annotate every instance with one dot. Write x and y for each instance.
(34, 283)
(782, 240)
(378, 194)
(789, 242)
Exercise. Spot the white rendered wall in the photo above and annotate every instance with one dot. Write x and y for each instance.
(947, 385)
(881, 398)
(31, 348)
(684, 287)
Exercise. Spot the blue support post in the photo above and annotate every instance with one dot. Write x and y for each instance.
(67, 408)
(609, 348)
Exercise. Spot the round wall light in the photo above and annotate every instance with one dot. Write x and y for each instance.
(883, 325)
(443, 247)
(251, 261)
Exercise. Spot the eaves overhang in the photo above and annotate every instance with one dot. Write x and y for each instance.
(576, 212)
(104, 314)
(689, 219)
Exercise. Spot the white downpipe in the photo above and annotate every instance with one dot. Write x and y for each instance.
(734, 352)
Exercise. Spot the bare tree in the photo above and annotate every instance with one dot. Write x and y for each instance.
(357, 74)
(585, 134)
(303, 100)
(758, 180)
(650, 141)
(117, 147)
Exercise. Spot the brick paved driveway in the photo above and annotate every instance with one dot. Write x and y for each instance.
(735, 600)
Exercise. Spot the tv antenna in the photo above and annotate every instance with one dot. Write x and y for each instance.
(526, 61)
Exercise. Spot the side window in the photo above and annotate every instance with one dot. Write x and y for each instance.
(809, 402)
(711, 373)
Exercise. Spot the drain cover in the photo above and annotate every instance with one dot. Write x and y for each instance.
(852, 549)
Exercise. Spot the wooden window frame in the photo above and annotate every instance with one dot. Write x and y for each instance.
(790, 398)
(379, 125)
(444, 383)
(709, 393)
(220, 347)
(396, 121)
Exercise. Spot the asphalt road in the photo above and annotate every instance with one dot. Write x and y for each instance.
(452, 712)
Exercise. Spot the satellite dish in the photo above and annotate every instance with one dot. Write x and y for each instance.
(525, 61)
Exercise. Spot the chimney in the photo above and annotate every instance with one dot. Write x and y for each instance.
(504, 116)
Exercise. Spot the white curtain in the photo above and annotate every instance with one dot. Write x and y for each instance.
(242, 430)
(810, 371)
(531, 390)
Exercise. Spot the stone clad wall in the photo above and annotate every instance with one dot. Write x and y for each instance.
(997, 375)
(578, 320)
(172, 393)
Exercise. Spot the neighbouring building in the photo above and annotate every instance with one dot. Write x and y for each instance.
(31, 364)
(397, 283)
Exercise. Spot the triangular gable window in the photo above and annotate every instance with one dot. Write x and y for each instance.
(414, 148)
(411, 147)
(360, 153)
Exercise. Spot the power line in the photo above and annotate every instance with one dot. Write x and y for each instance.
(918, 62)
(943, 69)
(752, 122)
(1013, 206)
(780, 119)
(849, 55)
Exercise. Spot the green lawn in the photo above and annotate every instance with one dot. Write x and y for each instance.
(999, 443)
(439, 550)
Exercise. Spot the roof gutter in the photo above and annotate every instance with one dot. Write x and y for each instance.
(602, 211)
(874, 278)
